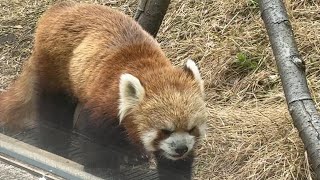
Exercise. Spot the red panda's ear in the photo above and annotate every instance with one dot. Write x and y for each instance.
(192, 69)
(131, 93)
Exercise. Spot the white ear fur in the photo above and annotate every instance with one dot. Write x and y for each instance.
(193, 68)
(131, 93)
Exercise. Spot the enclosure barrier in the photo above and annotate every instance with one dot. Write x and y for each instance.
(292, 73)
(42, 159)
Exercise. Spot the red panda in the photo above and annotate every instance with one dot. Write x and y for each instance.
(105, 60)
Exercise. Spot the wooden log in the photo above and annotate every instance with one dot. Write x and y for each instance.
(291, 68)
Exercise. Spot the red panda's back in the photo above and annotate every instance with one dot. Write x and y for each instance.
(83, 49)
(75, 41)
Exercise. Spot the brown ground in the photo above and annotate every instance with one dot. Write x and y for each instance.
(250, 134)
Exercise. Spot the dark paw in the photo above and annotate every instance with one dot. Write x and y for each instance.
(137, 159)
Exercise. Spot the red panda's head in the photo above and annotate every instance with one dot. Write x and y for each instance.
(168, 115)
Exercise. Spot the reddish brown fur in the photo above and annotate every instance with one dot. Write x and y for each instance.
(17, 104)
(83, 49)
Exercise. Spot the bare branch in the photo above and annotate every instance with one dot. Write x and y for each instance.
(292, 72)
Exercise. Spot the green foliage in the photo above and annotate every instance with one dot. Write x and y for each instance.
(244, 61)
(254, 3)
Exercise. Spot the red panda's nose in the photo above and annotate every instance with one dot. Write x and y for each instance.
(182, 150)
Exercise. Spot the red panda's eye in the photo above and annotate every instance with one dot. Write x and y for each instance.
(166, 132)
(191, 130)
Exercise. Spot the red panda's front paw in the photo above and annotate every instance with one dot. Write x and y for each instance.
(137, 159)
(144, 157)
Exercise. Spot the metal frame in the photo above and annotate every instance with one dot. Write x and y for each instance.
(42, 159)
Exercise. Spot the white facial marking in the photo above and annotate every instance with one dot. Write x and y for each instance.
(131, 93)
(175, 141)
(148, 139)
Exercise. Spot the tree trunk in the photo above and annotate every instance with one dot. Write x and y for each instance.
(292, 72)
(150, 14)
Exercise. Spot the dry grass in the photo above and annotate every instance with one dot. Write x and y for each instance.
(250, 133)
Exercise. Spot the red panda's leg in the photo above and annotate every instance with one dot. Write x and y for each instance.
(54, 104)
(178, 170)
(57, 108)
